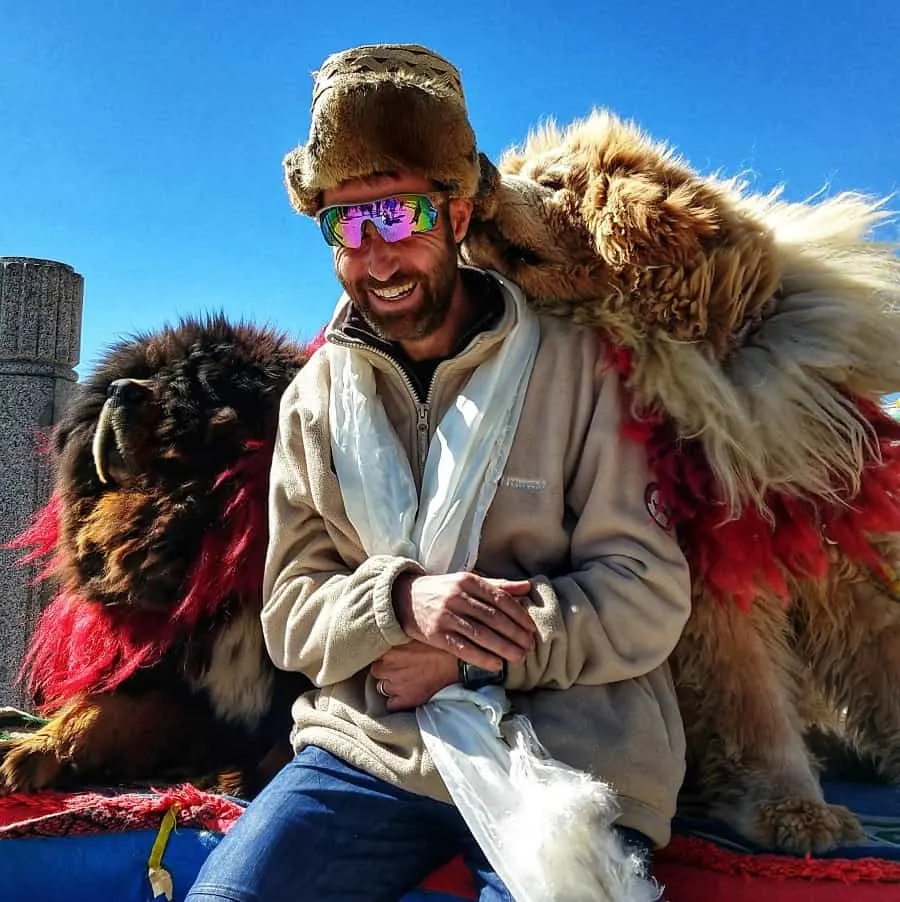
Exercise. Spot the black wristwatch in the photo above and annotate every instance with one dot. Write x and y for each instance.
(473, 677)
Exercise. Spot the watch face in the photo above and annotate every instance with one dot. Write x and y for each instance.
(473, 676)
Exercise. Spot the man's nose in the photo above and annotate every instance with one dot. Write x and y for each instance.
(383, 258)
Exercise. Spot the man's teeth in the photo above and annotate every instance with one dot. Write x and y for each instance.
(391, 294)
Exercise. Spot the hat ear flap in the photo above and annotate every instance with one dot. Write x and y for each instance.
(293, 167)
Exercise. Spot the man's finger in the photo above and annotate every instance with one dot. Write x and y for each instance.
(479, 645)
(399, 703)
(513, 608)
(380, 669)
(486, 591)
(473, 654)
(384, 688)
(517, 587)
(483, 619)
(517, 614)
(396, 657)
(394, 674)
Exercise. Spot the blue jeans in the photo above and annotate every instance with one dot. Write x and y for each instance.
(325, 831)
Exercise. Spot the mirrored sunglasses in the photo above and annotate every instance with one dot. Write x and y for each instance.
(394, 218)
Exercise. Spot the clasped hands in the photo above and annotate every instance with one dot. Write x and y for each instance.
(452, 617)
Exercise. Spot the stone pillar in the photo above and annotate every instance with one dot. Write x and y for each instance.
(40, 336)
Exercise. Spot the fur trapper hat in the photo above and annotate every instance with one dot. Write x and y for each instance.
(387, 108)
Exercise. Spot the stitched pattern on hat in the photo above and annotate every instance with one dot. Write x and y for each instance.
(416, 63)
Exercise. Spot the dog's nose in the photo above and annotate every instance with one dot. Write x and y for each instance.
(122, 392)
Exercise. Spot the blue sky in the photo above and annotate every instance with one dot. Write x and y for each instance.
(142, 142)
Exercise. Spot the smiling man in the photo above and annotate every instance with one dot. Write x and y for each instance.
(540, 568)
(410, 293)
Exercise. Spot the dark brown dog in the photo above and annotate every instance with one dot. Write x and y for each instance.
(150, 659)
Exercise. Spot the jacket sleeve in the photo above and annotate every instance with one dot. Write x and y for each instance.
(620, 611)
(320, 616)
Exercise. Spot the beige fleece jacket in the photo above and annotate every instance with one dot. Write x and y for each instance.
(611, 586)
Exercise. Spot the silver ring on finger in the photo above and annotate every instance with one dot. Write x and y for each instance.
(380, 689)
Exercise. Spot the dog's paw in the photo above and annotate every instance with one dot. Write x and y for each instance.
(231, 783)
(800, 826)
(30, 766)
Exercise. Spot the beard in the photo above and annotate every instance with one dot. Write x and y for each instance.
(435, 285)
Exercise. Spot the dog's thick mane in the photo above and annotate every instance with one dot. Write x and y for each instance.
(80, 644)
(756, 325)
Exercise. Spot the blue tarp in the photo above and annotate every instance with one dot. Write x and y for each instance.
(112, 867)
(109, 867)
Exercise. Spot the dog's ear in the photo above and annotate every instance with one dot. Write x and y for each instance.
(488, 184)
(638, 219)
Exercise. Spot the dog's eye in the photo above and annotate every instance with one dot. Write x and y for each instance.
(552, 180)
(523, 256)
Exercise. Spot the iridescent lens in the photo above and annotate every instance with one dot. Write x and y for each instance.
(395, 218)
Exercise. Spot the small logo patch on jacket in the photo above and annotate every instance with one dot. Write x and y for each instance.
(657, 508)
(525, 485)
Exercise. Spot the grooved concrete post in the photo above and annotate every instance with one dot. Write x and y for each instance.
(40, 336)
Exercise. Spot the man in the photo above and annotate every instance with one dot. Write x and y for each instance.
(575, 596)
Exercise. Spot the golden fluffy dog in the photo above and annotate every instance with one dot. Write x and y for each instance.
(757, 337)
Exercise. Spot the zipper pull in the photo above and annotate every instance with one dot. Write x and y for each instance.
(422, 432)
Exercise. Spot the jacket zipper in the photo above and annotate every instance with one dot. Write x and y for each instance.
(423, 409)
(422, 412)
(423, 418)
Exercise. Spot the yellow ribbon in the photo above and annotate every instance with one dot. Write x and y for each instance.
(160, 878)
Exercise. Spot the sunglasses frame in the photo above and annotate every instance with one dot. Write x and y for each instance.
(429, 196)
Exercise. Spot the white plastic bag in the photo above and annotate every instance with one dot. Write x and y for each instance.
(545, 828)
